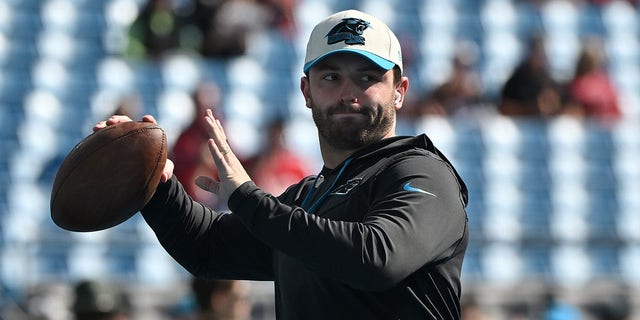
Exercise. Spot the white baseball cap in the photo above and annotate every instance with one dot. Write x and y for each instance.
(357, 32)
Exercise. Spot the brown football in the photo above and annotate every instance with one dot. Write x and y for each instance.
(108, 176)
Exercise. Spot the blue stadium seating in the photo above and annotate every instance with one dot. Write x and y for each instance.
(551, 178)
(605, 261)
(537, 260)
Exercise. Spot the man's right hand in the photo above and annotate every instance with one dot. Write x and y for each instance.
(167, 172)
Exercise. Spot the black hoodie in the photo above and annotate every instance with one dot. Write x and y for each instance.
(381, 236)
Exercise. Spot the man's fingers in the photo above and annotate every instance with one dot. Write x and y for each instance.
(99, 126)
(218, 142)
(119, 119)
(149, 118)
(167, 172)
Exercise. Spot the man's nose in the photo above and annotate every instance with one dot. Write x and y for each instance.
(348, 93)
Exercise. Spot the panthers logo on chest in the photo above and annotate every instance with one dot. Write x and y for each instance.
(349, 30)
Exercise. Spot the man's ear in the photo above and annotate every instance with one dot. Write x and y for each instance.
(306, 90)
(401, 91)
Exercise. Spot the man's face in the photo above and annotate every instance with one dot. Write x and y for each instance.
(352, 101)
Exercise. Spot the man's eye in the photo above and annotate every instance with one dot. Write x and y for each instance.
(369, 78)
(329, 77)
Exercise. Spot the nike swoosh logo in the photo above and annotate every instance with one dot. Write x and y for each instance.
(407, 186)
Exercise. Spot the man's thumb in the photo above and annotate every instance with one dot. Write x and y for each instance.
(207, 184)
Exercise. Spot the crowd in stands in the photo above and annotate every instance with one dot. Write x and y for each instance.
(221, 29)
(217, 29)
(530, 90)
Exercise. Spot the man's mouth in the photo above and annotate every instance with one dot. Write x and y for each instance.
(348, 111)
(349, 115)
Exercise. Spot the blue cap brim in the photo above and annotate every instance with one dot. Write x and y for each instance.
(382, 63)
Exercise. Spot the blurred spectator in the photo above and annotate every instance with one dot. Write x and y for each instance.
(221, 299)
(616, 307)
(556, 309)
(275, 167)
(461, 92)
(471, 310)
(190, 152)
(97, 300)
(592, 92)
(159, 29)
(231, 23)
(130, 105)
(213, 28)
(44, 301)
(283, 16)
(530, 90)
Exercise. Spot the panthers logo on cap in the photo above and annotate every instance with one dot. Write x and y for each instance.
(349, 30)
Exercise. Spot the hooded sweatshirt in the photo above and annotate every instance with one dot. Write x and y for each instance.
(381, 236)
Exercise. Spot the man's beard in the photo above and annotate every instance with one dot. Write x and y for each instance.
(352, 135)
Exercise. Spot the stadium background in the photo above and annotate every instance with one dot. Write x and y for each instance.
(563, 219)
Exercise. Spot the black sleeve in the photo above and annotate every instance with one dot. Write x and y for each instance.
(205, 242)
(406, 226)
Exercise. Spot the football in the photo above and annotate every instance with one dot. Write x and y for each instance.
(108, 176)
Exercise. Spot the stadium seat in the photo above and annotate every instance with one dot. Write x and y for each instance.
(59, 15)
(628, 216)
(52, 262)
(439, 17)
(155, 268)
(560, 16)
(121, 261)
(604, 261)
(602, 216)
(51, 75)
(472, 265)
(502, 264)
(25, 21)
(16, 266)
(87, 260)
(504, 224)
(382, 9)
(536, 256)
(498, 16)
(502, 51)
(590, 21)
(239, 68)
(115, 74)
(441, 131)
(245, 106)
(181, 72)
(571, 265)
(536, 214)
(6, 15)
(622, 49)
(563, 49)
(569, 212)
(620, 17)
(629, 257)
(175, 110)
(126, 233)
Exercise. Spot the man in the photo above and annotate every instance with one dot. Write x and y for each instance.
(379, 233)
(221, 299)
(98, 300)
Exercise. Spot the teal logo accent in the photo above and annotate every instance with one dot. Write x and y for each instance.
(349, 30)
(407, 186)
(347, 187)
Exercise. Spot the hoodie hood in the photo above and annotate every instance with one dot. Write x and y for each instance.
(394, 145)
